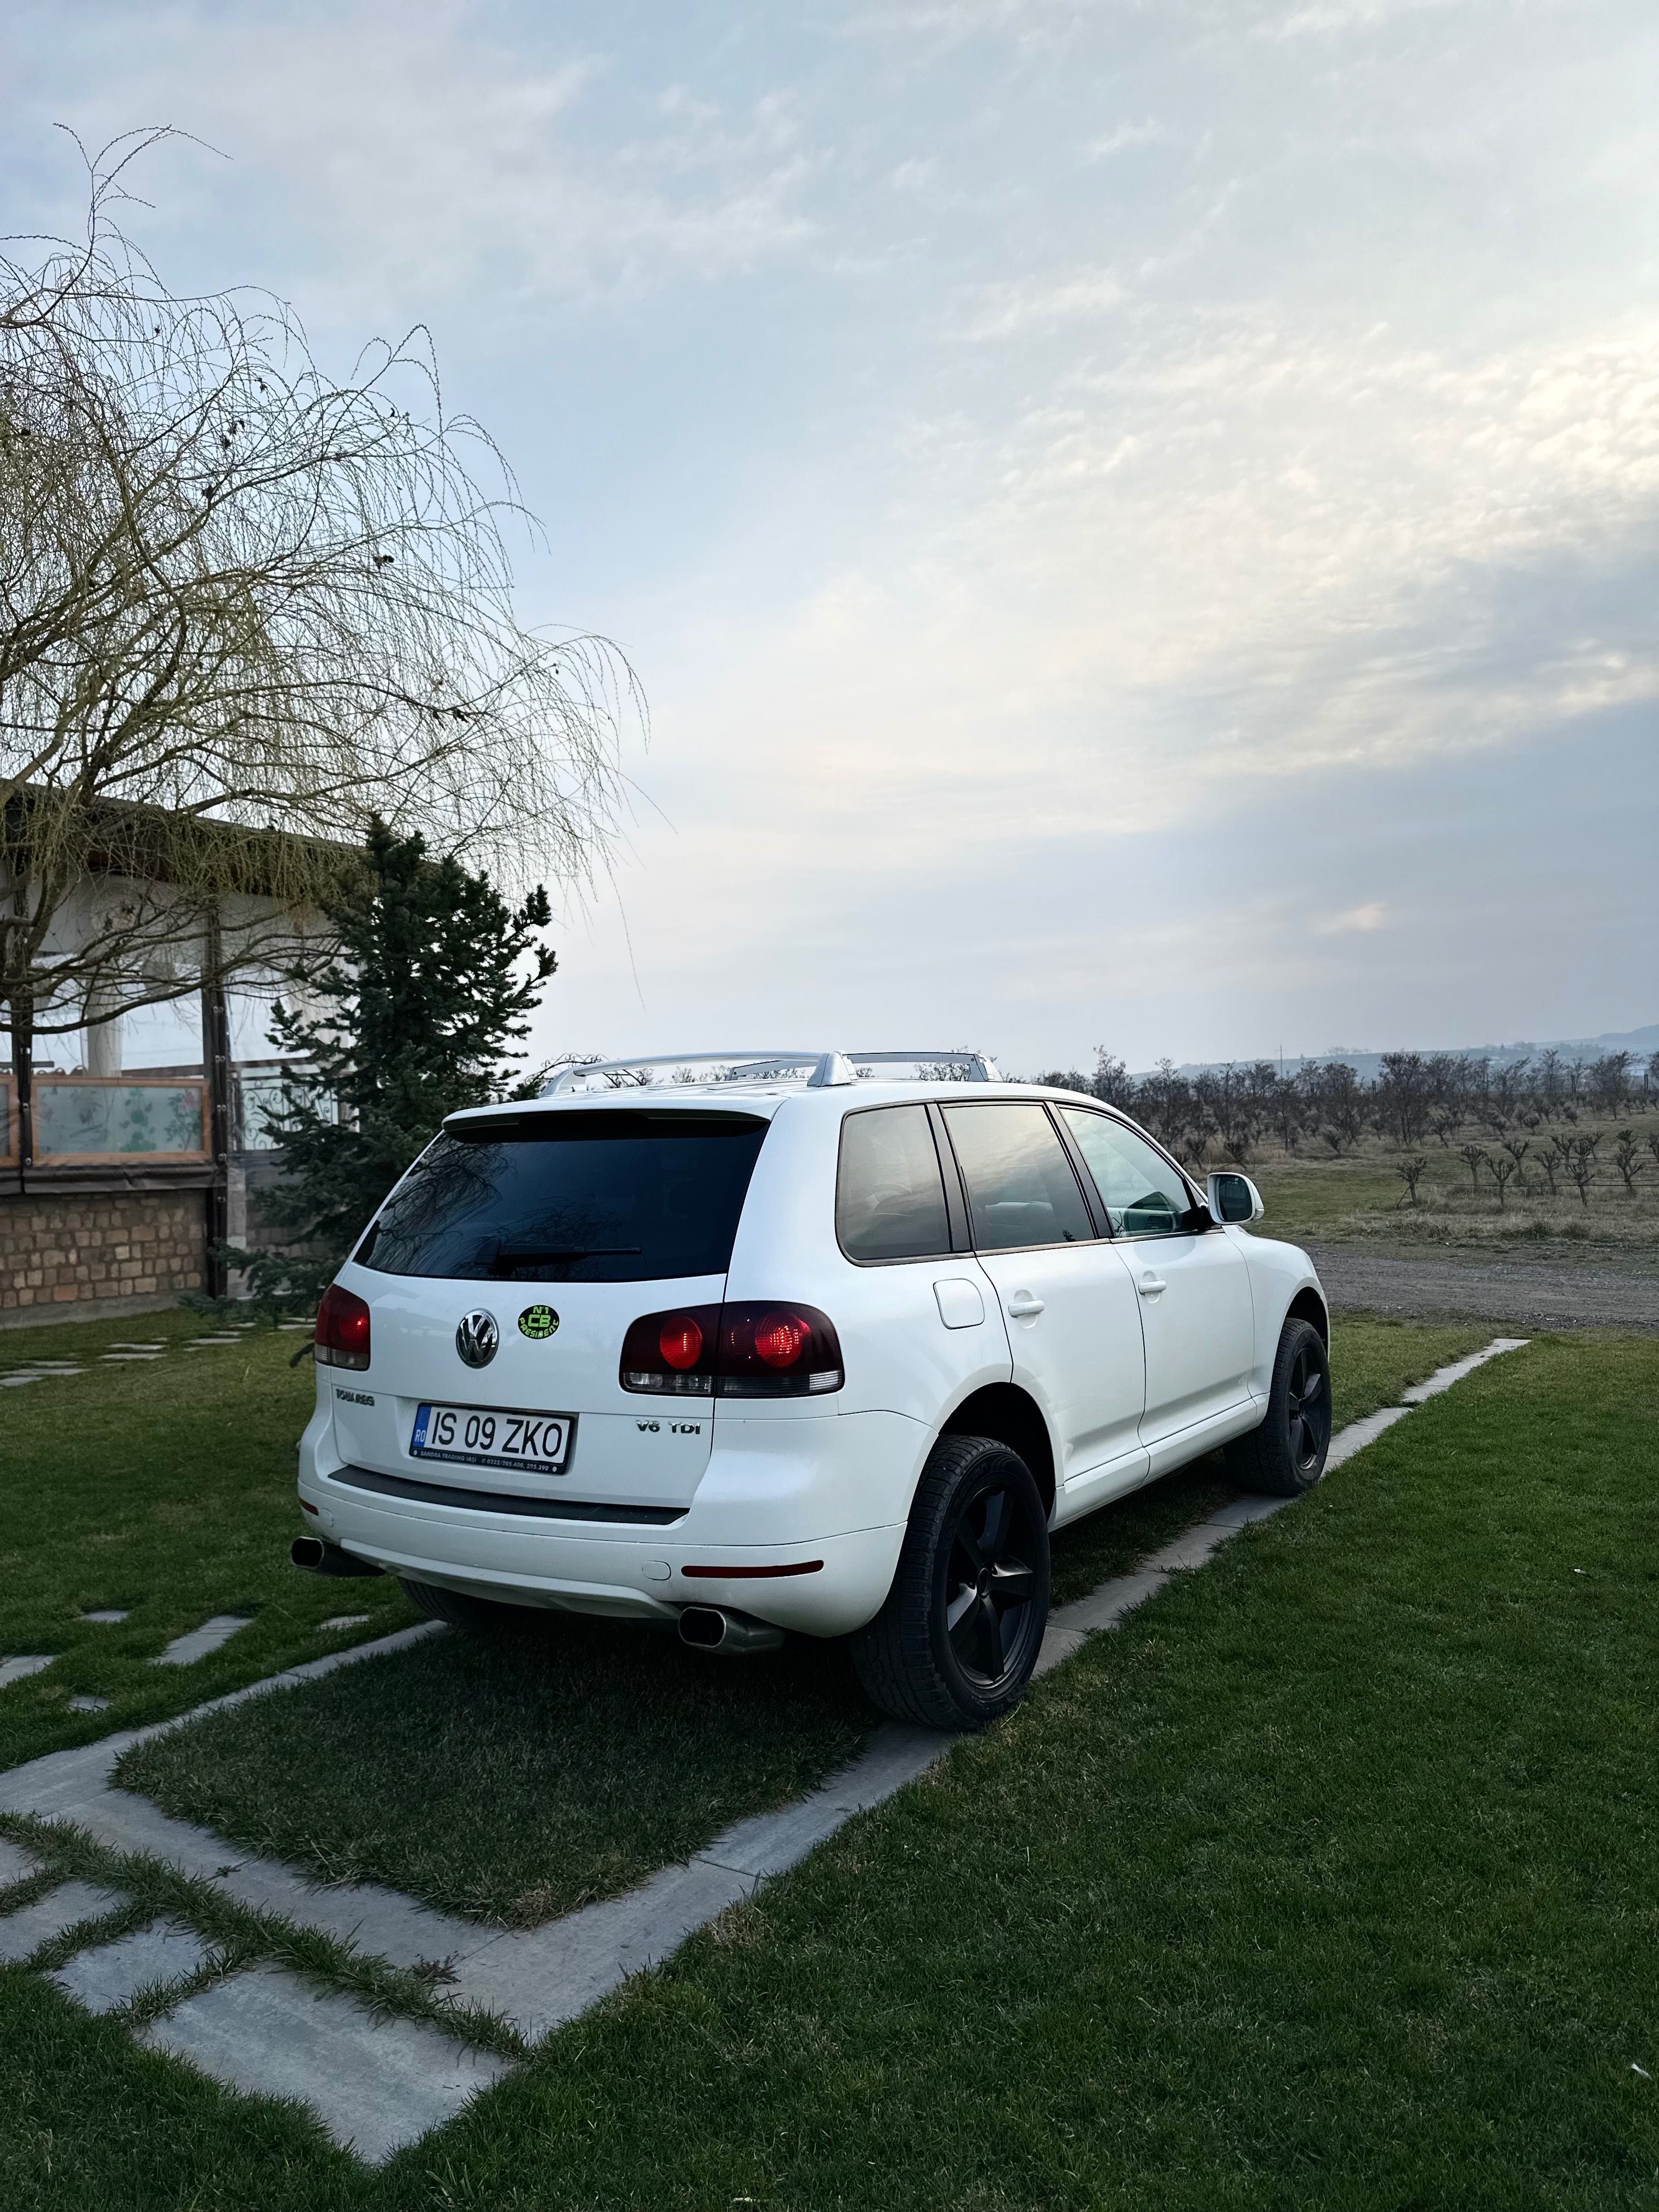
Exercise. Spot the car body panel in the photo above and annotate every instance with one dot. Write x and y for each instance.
(1081, 1358)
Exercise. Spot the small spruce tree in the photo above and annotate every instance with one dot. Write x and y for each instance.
(416, 1017)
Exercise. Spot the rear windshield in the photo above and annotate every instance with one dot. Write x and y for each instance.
(606, 1197)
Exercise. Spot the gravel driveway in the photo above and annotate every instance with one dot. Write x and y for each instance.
(1540, 1293)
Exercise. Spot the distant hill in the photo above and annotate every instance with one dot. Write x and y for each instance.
(1639, 1044)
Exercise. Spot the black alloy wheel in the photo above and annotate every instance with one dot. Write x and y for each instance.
(1308, 1408)
(955, 1642)
(989, 1584)
(1285, 1455)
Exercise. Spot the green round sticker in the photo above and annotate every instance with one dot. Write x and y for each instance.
(537, 1322)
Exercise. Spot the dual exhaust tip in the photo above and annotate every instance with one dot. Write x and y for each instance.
(704, 1627)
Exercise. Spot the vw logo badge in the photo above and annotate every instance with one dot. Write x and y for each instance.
(476, 1338)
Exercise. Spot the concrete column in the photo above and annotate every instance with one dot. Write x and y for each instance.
(103, 1036)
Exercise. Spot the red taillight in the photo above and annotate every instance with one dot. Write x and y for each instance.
(781, 1339)
(680, 1342)
(342, 1329)
(757, 1351)
(777, 1352)
(672, 1351)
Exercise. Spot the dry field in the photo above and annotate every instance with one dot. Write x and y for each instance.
(1363, 1197)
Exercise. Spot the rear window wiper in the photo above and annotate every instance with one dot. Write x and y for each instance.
(533, 1255)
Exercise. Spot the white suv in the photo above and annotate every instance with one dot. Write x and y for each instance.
(797, 1347)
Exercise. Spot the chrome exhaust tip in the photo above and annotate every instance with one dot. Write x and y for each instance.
(319, 1558)
(712, 1628)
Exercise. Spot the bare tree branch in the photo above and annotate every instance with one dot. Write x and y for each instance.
(244, 606)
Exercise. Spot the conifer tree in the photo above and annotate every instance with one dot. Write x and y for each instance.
(416, 1016)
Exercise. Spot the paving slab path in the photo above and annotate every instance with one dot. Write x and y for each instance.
(375, 2082)
(111, 1975)
(378, 2081)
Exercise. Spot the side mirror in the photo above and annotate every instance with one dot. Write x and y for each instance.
(1234, 1197)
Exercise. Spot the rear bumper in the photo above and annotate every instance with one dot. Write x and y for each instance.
(834, 1491)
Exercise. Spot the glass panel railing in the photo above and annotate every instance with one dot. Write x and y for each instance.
(119, 1117)
(265, 1096)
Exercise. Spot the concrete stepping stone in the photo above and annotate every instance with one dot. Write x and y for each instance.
(144, 1344)
(185, 1650)
(15, 1863)
(17, 1382)
(108, 1615)
(19, 1670)
(345, 1620)
(113, 1973)
(196, 1343)
(85, 1704)
(376, 2082)
(130, 1358)
(23, 1932)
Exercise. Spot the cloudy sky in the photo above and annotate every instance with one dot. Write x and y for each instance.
(1138, 523)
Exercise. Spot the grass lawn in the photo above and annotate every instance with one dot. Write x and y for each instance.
(1328, 1880)
(512, 1779)
(515, 1777)
(1372, 1361)
(167, 1489)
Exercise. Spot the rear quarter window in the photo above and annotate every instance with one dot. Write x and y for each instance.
(890, 1195)
(622, 1196)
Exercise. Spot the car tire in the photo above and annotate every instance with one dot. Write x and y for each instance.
(479, 1616)
(1285, 1455)
(955, 1642)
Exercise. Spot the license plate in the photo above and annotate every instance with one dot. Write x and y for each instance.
(492, 1435)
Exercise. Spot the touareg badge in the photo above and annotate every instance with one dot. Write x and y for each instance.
(537, 1322)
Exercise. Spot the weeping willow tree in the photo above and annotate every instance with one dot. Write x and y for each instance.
(246, 608)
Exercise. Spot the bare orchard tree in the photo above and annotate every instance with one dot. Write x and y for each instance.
(1582, 1167)
(245, 604)
(1626, 1159)
(1411, 1173)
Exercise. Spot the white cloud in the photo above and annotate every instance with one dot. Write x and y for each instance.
(1362, 920)
(419, 154)
(1038, 305)
(1125, 135)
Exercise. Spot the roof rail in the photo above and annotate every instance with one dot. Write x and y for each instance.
(821, 1070)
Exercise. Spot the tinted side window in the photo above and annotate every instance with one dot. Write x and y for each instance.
(619, 1197)
(890, 1200)
(1141, 1192)
(1021, 1189)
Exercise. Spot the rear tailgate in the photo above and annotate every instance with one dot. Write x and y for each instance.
(622, 1448)
(562, 1224)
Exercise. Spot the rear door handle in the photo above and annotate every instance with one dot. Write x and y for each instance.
(1025, 1305)
(1151, 1285)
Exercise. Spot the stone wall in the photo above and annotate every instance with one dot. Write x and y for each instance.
(127, 1245)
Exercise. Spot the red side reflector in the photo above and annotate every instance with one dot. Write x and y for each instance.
(306, 1506)
(750, 1574)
